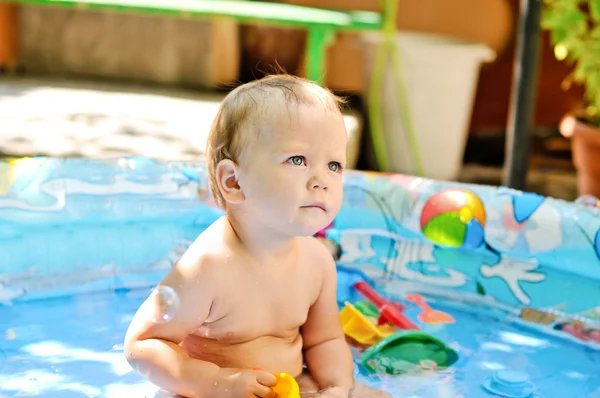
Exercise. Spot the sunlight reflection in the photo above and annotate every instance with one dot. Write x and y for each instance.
(146, 389)
(491, 365)
(422, 384)
(490, 346)
(34, 382)
(576, 375)
(519, 339)
(55, 352)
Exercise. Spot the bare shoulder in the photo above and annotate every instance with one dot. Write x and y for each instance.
(205, 256)
(194, 281)
(194, 277)
(318, 255)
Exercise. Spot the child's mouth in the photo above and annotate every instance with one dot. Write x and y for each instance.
(317, 205)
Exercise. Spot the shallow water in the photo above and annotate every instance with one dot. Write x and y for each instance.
(487, 343)
(72, 347)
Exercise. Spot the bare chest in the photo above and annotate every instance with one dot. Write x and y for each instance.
(256, 306)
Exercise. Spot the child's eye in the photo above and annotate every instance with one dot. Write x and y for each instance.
(297, 160)
(335, 166)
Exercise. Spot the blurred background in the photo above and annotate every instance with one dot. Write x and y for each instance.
(87, 82)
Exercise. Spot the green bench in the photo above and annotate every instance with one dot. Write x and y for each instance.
(320, 24)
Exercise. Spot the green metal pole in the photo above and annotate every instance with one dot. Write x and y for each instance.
(316, 52)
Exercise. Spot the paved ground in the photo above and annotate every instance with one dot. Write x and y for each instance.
(71, 118)
(99, 120)
(85, 118)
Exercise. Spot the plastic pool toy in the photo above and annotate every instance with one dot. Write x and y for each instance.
(403, 350)
(367, 308)
(389, 311)
(286, 386)
(510, 384)
(454, 217)
(429, 315)
(360, 328)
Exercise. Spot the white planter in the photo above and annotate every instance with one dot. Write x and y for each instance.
(441, 75)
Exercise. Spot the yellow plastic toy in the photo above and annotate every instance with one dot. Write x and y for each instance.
(360, 328)
(286, 386)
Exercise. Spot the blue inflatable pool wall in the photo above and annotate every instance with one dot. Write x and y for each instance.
(74, 225)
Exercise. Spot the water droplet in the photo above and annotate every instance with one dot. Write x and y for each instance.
(166, 302)
(215, 384)
(205, 331)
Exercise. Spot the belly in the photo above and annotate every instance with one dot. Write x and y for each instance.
(269, 353)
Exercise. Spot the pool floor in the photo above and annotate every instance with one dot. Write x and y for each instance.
(73, 347)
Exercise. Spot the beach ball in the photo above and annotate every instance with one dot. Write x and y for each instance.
(454, 217)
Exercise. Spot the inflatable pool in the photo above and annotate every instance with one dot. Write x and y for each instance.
(497, 292)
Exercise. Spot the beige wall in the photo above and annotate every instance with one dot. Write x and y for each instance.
(145, 48)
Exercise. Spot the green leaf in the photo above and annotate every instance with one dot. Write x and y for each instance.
(565, 25)
(592, 88)
(595, 9)
(548, 19)
(559, 35)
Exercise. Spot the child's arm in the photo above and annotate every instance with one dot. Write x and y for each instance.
(327, 354)
(169, 367)
(153, 349)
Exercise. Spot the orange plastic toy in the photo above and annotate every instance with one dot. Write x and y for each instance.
(429, 315)
(286, 386)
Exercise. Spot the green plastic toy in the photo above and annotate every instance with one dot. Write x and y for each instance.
(367, 308)
(403, 351)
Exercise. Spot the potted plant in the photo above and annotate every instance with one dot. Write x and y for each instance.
(574, 27)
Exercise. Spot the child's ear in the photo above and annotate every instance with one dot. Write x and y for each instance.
(227, 180)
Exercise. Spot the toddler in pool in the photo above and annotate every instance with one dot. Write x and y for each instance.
(257, 291)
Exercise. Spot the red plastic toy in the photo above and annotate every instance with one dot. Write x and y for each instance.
(388, 311)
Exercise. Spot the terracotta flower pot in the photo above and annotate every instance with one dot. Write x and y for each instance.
(9, 38)
(585, 145)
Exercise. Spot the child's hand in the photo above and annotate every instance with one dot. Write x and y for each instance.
(241, 383)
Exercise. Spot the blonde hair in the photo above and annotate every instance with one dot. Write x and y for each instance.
(247, 105)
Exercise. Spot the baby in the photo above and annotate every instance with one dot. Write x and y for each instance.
(257, 291)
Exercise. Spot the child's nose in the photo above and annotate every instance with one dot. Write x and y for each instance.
(317, 183)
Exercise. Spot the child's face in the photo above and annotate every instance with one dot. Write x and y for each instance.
(291, 175)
